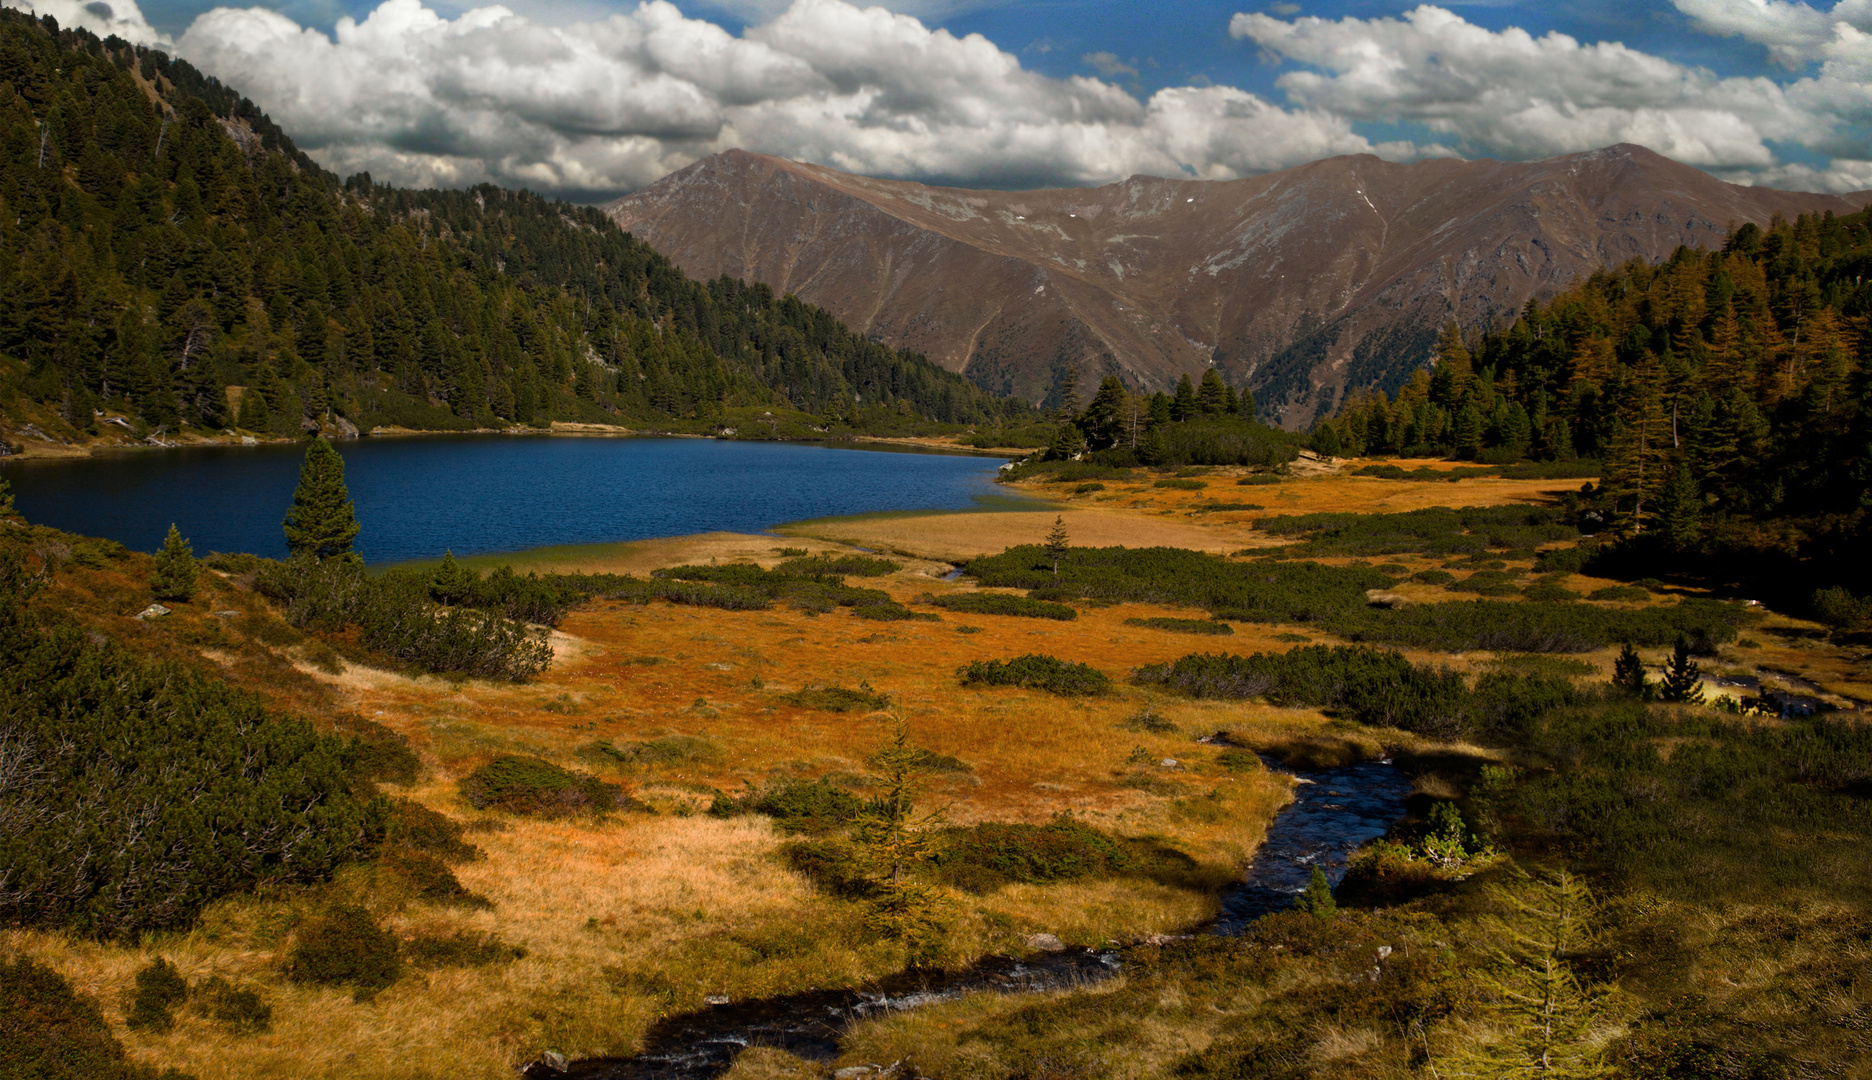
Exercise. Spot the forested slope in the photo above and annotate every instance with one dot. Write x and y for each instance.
(1726, 392)
(167, 254)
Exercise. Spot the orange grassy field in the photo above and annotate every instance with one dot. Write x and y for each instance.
(635, 916)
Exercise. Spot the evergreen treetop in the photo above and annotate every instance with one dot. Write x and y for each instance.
(321, 523)
(173, 578)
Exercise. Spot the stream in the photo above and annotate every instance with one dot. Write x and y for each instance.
(1332, 814)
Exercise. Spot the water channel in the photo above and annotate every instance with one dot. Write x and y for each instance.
(1333, 813)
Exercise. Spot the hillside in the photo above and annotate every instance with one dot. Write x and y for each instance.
(171, 263)
(1303, 284)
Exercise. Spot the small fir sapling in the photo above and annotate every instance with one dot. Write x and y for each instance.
(321, 523)
(1057, 543)
(1628, 673)
(1318, 900)
(173, 579)
(1683, 676)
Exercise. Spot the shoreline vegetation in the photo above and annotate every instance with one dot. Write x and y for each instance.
(690, 801)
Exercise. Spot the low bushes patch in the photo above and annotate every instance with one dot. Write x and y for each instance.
(837, 699)
(345, 946)
(981, 858)
(1179, 484)
(52, 1032)
(527, 785)
(417, 828)
(1037, 671)
(241, 1009)
(800, 806)
(840, 566)
(1630, 594)
(429, 879)
(1184, 626)
(156, 991)
(984, 603)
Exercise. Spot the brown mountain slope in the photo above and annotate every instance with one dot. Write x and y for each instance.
(1301, 284)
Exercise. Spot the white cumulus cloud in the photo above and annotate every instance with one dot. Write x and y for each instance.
(615, 103)
(102, 17)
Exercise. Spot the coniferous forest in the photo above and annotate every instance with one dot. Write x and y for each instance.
(1724, 392)
(169, 258)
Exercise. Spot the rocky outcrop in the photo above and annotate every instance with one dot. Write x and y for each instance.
(1302, 284)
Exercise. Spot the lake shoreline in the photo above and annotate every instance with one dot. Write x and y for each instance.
(36, 447)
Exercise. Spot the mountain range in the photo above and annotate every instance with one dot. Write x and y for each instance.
(1303, 284)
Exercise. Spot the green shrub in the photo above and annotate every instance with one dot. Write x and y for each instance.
(527, 785)
(664, 750)
(1238, 760)
(1434, 531)
(1180, 484)
(1333, 598)
(1087, 489)
(397, 617)
(51, 1032)
(837, 699)
(464, 948)
(985, 603)
(1259, 479)
(1840, 609)
(158, 989)
(417, 828)
(176, 789)
(1184, 626)
(345, 946)
(1065, 472)
(1549, 589)
(1374, 686)
(831, 863)
(241, 1009)
(1487, 583)
(800, 806)
(1433, 577)
(1630, 594)
(379, 754)
(891, 611)
(840, 566)
(429, 879)
(986, 856)
(1039, 672)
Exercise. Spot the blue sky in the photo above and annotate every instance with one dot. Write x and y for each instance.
(588, 98)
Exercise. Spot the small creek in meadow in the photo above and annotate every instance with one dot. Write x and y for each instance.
(1333, 813)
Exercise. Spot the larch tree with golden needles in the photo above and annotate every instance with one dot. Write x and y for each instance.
(1641, 443)
(1542, 1017)
(892, 840)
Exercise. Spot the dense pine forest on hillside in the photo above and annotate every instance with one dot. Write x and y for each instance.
(167, 256)
(1724, 391)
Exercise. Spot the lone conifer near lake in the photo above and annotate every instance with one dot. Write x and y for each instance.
(321, 522)
(174, 576)
(1057, 544)
(1318, 898)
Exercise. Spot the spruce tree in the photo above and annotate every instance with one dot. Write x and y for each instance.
(1680, 510)
(1057, 544)
(173, 578)
(1628, 672)
(1318, 898)
(321, 523)
(1682, 677)
(451, 582)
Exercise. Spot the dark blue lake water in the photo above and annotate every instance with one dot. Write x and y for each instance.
(417, 497)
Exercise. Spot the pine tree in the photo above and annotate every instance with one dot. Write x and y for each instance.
(1212, 395)
(1057, 544)
(1183, 405)
(1682, 677)
(1640, 443)
(1318, 900)
(1680, 510)
(1546, 1014)
(451, 582)
(1245, 404)
(1325, 441)
(173, 578)
(321, 523)
(1628, 673)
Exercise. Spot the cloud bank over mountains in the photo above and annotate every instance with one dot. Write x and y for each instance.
(612, 104)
